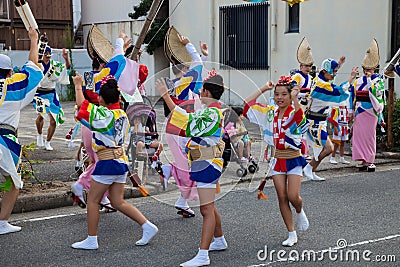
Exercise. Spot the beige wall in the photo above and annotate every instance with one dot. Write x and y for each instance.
(333, 28)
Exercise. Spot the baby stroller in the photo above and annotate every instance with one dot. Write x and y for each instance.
(149, 157)
(231, 153)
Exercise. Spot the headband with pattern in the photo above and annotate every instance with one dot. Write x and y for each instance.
(284, 81)
(105, 79)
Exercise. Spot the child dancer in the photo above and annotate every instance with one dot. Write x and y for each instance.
(109, 125)
(340, 121)
(285, 128)
(205, 147)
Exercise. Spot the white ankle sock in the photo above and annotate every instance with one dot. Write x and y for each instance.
(302, 221)
(291, 240)
(219, 243)
(149, 231)
(89, 243)
(308, 172)
(6, 228)
(200, 259)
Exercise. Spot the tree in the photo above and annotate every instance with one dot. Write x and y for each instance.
(155, 36)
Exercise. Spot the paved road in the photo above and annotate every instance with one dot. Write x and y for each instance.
(361, 208)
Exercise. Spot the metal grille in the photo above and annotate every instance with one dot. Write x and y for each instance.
(244, 36)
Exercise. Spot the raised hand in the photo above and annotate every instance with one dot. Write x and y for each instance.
(203, 48)
(268, 86)
(183, 39)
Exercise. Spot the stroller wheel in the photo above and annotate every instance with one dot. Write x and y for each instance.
(241, 172)
(252, 169)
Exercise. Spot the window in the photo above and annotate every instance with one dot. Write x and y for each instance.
(395, 42)
(244, 36)
(294, 18)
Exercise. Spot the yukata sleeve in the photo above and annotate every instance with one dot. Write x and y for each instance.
(259, 114)
(25, 83)
(61, 73)
(197, 61)
(96, 118)
(376, 91)
(114, 67)
(204, 123)
(330, 93)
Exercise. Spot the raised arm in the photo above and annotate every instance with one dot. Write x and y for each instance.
(33, 51)
(66, 58)
(78, 80)
(162, 88)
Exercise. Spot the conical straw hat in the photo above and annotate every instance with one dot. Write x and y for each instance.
(176, 48)
(166, 48)
(98, 43)
(304, 55)
(371, 58)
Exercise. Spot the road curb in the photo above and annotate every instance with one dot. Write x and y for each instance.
(53, 200)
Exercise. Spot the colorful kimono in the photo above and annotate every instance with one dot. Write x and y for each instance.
(324, 95)
(46, 100)
(204, 128)
(339, 117)
(303, 81)
(17, 91)
(283, 134)
(109, 126)
(125, 70)
(367, 104)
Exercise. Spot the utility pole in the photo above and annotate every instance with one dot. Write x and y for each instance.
(146, 26)
(390, 106)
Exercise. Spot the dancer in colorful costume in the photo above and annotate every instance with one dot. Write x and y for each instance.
(185, 88)
(283, 124)
(16, 91)
(303, 80)
(46, 100)
(366, 105)
(204, 148)
(109, 124)
(324, 95)
(115, 66)
(339, 117)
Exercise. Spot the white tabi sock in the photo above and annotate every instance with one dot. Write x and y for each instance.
(302, 221)
(89, 243)
(201, 259)
(149, 231)
(6, 228)
(291, 240)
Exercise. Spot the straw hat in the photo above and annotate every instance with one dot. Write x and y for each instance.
(371, 58)
(304, 55)
(98, 44)
(174, 48)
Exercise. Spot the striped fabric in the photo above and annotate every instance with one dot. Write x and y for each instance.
(325, 94)
(204, 127)
(190, 82)
(284, 135)
(17, 91)
(376, 88)
(110, 128)
(263, 116)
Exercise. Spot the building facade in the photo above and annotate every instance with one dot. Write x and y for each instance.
(52, 17)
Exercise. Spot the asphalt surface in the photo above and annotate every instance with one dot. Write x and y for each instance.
(359, 209)
(57, 166)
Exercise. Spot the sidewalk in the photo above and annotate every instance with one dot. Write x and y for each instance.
(56, 168)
